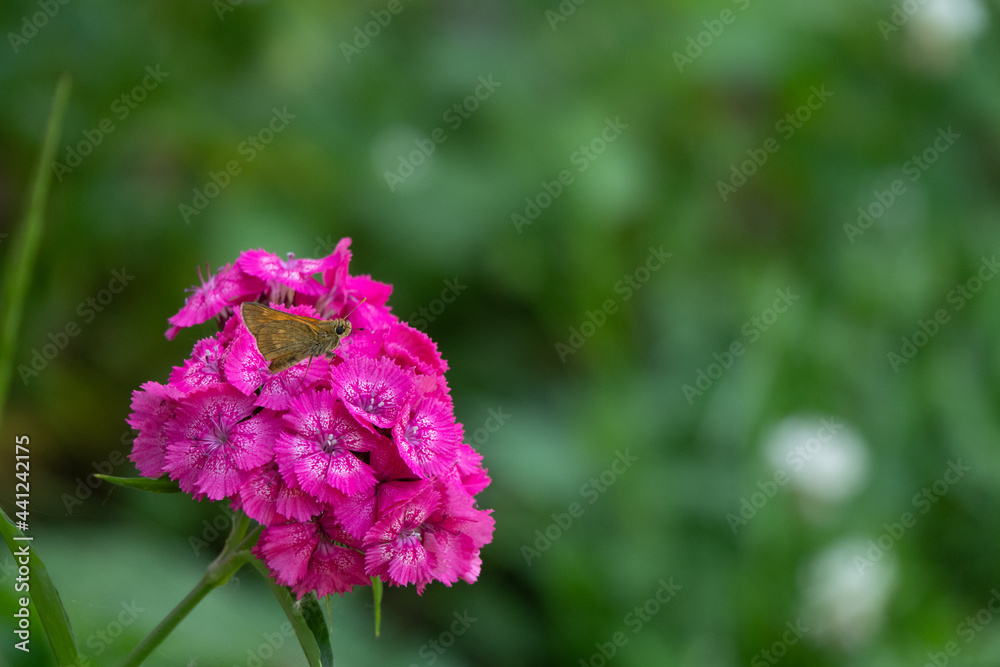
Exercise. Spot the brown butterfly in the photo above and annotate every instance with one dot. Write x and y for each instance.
(285, 339)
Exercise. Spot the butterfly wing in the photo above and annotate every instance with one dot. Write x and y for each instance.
(283, 339)
(284, 361)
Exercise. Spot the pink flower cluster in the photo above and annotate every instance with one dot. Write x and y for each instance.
(356, 467)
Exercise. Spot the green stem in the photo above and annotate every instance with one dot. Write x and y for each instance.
(235, 555)
(237, 534)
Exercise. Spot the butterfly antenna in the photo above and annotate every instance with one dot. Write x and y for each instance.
(355, 307)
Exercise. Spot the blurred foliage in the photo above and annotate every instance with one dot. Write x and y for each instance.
(227, 67)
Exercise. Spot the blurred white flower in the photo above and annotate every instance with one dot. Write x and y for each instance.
(844, 605)
(826, 460)
(952, 19)
(940, 30)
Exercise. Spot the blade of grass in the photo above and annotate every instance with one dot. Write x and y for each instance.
(43, 595)
(21, 260)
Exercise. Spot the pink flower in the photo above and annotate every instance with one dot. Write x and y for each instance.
(353, 462)
(283, 276)
(357, 513)
(428, 530)
(265, 496)
(315, 555)
(319, 452)
(153, 406)
(387, 462)
(394, 547)
(469, 467)
(374, 390)
(427, 436)
(245, 366)
(203, 369)
(456, 533)
(411, 347)
(216, 439)
(279, 389)
(372, 291)
(216, 293)
(335, 267)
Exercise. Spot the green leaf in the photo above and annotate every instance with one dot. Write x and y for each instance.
(21, 262)
(161, 485)
(319, 627)
(377, 592)
(301, 623)
(44, 597)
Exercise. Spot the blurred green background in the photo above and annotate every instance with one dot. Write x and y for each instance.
(857, 530)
